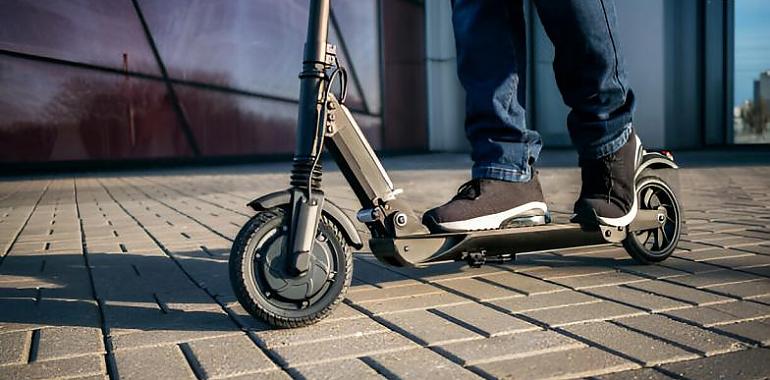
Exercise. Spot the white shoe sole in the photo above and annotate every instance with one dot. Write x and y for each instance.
(492, 221)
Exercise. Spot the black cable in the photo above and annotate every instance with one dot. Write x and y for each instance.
(319, 130)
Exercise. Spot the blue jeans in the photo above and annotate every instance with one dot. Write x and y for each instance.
(589, 69)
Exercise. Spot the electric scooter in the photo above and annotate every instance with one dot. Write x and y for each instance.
(291, 263)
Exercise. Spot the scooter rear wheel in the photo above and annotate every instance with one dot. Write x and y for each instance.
(262, 284)
(652, 246)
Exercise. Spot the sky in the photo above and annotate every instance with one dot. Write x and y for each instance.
(752, 45)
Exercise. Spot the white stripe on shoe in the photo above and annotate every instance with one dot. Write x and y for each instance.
(494, 220)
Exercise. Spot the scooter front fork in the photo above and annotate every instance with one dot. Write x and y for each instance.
(306, 213)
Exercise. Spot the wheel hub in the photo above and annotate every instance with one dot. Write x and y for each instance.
(274, 266)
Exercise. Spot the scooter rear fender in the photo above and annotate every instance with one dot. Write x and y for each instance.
(330, 210)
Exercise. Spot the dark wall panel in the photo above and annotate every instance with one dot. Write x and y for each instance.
(79, 79)
(405, 110)
(57, 113)
(99, 32)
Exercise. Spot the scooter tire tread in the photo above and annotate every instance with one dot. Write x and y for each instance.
(251, 305)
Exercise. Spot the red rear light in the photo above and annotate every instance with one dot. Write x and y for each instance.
(667, 154)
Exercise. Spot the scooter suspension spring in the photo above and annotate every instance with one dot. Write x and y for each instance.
(303, 173)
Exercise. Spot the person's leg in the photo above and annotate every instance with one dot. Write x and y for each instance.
(491, 59)
(591, 76)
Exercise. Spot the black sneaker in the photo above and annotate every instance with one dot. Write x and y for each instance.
(608, 194)
(483, 204)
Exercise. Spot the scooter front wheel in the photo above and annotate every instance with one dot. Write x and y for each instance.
(264, 287)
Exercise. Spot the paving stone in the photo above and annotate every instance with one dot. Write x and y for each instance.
(523, 284)
(319, 332)
(479, 290)
(745, 261)
(571, 271)
(759, 271)
(679, 292)
(484, 320)
(637, 298)
(337, 370)
(642, 348)
(707, 280)
(227, 356)
(711, 254)
(748, 364)
(721, 314)
(703, 341)
(544, 301)
(376, 294)
(417, 364)
(652, 271)
(599, 280)
(689, 266)
(14, 347)
(448, 271)
(582, 313)
(636, 374)
(428, 328)
(575, 363)
(80, 366)
(735, 241)
(375, 274)
(762, 249)
(164, 362)
(508, 347)
(339, 349)
(745, 290)
(418, 302)
(342, 312)
(756, 330)
(62, 342)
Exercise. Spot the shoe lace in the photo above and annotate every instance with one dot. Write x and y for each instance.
(469, 190)
(609, 181)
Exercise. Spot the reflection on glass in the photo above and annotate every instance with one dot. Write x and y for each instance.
(252, 45)
(752, 72)
(358, 24)
(105, 33)
(229, 124)
(57, 113)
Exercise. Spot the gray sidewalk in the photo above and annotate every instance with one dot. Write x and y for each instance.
(125, 276)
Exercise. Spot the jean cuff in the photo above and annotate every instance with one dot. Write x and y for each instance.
(501, 172)
(609, 147)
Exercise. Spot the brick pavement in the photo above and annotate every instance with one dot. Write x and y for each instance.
(124, 275)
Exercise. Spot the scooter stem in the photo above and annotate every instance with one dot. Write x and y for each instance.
(307, 197)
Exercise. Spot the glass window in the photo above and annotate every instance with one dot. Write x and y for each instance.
(752, 72)
(105, 33)
(251, 45)
(57, 113)
(230, 124)
(358, 25)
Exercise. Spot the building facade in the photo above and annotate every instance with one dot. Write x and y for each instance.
(115, 80)
(689, 63)
(126, 80)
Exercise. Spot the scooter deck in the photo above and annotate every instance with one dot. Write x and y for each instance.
(422, 249)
